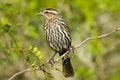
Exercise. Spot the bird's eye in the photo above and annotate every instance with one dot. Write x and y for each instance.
(46, 12)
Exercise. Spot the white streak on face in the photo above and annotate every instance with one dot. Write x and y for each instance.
(55, 12)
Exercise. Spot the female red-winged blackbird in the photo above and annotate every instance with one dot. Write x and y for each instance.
(58, 37)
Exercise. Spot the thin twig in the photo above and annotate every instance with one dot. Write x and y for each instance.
(23, 71)
(84, 41)
(56, 60)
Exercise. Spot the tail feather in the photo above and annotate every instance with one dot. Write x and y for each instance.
(67, 68)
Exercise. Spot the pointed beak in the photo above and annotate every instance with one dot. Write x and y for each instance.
(40, 13)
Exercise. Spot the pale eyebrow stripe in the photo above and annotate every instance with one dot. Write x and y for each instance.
(53, 12)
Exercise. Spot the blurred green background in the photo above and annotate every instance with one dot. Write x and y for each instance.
(21, 30)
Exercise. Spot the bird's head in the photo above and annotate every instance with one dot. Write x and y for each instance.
(49, 13)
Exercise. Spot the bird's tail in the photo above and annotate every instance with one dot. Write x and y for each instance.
(67, 67)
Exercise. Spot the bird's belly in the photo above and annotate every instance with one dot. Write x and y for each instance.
(57, 42)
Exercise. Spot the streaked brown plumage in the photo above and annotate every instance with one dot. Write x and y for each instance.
(58, 37)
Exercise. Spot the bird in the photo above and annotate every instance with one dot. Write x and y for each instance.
(58, 37)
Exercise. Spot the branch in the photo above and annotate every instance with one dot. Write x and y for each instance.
(71, 49)
(23, 71)
(84, 41)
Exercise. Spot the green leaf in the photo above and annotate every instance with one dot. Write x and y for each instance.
(35, 49)
(33, 64)
(39, 55)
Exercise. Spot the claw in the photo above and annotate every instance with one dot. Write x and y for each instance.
(72, 49)
(51, 62)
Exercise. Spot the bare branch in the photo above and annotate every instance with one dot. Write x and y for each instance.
(23, 71)
(74, 47)
(84, 41)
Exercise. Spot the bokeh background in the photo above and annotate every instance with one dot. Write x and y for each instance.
(21, 34)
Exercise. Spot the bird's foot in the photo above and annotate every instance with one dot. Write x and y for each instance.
(72, 49)
(51, 61)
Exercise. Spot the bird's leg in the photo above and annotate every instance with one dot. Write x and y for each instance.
(72, 49)
(51, 60)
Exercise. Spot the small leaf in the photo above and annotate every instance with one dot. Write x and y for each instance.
(35, 50)
(39, 55)
(7, 51)
(33, 64)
